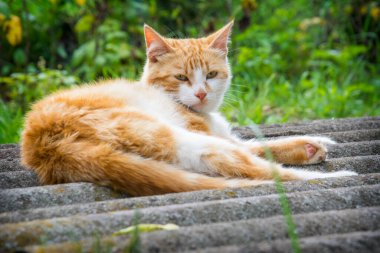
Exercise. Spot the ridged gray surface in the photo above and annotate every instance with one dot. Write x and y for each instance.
(331, 215)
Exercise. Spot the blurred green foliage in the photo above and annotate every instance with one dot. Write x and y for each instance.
(291, 60)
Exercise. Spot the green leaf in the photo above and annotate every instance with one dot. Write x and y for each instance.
(62, 52)
(100, 60)
(146, 228)
(84, 24)
(19, 57)
(4, 9)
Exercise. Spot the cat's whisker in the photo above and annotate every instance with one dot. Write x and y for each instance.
(231, 101)
(239, 89)
(238, 85)
(226, 103)
(233, 93)
(230, 94)
(236, 91)
(233, 51)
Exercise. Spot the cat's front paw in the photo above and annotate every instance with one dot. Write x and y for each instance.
(315, 148)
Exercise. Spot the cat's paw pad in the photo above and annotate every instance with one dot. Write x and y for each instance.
(310, 150)
(315, 153)
(315, 149)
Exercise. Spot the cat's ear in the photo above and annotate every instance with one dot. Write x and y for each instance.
(220, 38)
(155, 44)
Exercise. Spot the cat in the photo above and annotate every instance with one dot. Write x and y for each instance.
(161, 134)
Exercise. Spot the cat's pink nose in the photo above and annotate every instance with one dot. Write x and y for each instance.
(201, 95)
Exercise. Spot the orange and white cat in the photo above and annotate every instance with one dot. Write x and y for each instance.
(161, 134)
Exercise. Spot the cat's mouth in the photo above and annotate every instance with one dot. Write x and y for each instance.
(195, 107)
(198, 107)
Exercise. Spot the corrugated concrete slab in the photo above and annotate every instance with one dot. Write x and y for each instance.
(357, 242)
(331, 215)
(61, 229)
(243, 231)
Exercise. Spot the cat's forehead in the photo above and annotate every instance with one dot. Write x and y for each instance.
(193, 54)
(183, 44)
(190, 48)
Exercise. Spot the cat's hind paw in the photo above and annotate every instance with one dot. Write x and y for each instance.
(315, 148)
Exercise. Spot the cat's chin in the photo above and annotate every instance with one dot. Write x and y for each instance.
(197, 107)
(206, 107)
(202, 108)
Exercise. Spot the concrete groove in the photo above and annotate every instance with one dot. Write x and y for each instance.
(353, 136)
(18, 179)
(362, 148)
(322, 122)
(359, 164)
(11, 164)
(331, 215)
(10, 153)
(53, 195)
(10, 145)
(318, 128)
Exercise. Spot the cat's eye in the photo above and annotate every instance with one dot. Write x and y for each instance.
(181, 77)
(211, 74)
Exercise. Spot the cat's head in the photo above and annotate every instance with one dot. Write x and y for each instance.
(195, 72)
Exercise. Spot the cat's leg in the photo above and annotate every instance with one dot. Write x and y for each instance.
(216, 156)
(297, 150)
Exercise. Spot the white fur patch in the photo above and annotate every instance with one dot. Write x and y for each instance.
(192, 146)
(307, 175)
(306, 138)
(319, 139)
(233, 183)
(199, 79)
(192, 177)
(219, 125)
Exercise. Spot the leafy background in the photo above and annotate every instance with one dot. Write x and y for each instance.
(291, 60)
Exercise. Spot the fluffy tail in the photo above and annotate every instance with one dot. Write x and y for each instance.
(101, 164)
